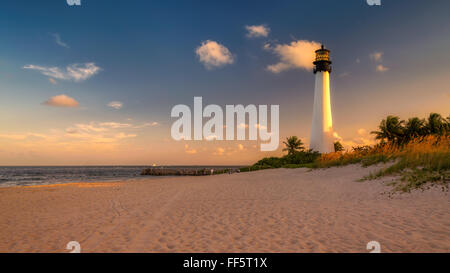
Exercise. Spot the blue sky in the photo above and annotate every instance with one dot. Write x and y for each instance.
(146, 52)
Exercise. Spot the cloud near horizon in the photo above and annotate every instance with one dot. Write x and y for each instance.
(363, 137)
(22, 136)
(74, 72)
(257, 31)
(297, 54)
(101, 132)
(61, 101)
(78, 136)
(189, 150)
(219, 151)
(214, 55)
(99, 127)
(241, 147)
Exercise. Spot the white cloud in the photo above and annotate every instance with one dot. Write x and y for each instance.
(382, 68)
(257, 31)
(213, 54)
(297, 54)
(74, 72)
(52, 81)
(58, 40)
(116, 104)
(61, 101)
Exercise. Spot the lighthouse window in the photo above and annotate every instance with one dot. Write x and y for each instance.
(322, 56)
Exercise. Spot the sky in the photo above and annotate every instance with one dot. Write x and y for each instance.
(95, 84)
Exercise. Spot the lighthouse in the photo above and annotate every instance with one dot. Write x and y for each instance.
(322, 123)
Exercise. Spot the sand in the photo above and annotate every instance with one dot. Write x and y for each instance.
(282, 210)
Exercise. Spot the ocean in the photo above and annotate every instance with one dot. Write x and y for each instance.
(39, 175)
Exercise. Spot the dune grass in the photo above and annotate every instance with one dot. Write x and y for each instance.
(421, 162)
(418, 151)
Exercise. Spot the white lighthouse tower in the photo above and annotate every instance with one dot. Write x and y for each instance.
(322, 123)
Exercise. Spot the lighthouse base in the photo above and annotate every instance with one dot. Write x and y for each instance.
(322, 143)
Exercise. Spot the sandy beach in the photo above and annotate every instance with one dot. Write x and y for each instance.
(280, 210)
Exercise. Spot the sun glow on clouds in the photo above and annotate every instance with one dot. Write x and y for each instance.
(219, 151)
(377, 57)
(214, 150)
(106, 126)
(382, 68)
(103, 132)
(23, 136)
(214, 55)
(297, 54)
(189, 150)
(74, 72)
(61, 101)
(93, 132)
(363, 137)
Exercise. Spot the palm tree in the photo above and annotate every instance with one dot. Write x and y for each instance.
(293, 145)
(338, 147)
(390, 129)
(447, 127)
(414, 128)
(436, 125)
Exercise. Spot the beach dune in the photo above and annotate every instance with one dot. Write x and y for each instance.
(281, 210)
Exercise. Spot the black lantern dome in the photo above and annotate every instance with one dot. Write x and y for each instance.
(322, 61)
